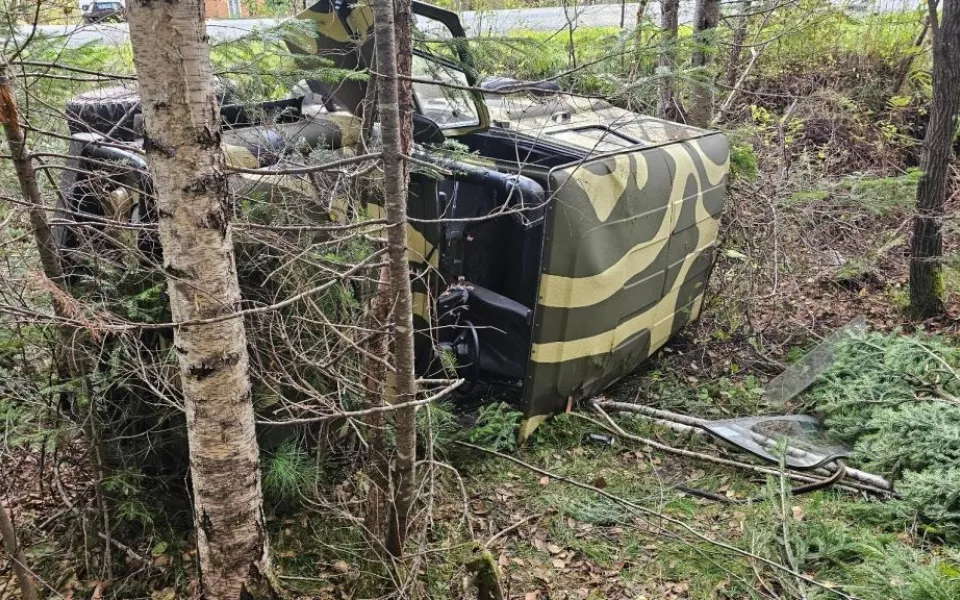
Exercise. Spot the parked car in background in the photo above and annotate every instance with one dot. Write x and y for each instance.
(98, 12)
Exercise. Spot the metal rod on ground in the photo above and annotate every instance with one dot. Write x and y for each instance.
(613, 427)
(687, 424)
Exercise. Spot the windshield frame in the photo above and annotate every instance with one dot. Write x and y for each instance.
(465, 64)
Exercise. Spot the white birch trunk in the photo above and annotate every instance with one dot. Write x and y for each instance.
(182, 143)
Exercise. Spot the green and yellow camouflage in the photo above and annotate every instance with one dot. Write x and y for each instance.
(567, 243)
(628, 249)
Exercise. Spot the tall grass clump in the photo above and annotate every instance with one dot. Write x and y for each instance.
(288, 473)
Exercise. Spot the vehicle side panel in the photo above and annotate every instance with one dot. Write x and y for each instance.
(627, 253)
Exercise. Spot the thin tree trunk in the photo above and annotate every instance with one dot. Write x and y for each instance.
(182, 144)
(394, 57)
(736, 46)
(641, 11)
(91, 429)
(374, 377)
(66, 357)
(9, 536)
(638, 41)
(667, 106)
(926, 278)
(377, 467)
(705, 21)
(27, 177)
(486, 575)
(571, 27)
(906, 64)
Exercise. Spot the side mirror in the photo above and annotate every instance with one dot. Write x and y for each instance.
(426, 132)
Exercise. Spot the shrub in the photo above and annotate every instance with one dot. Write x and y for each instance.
(894, 398)
(496, 427)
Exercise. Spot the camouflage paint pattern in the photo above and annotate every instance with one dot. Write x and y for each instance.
(343, 36)
(630, 231)
(628, 248)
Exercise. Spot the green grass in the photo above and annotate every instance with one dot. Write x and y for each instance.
(288, 473)
(831, 541)
(872, 550)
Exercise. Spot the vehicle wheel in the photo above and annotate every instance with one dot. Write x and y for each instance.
(100, 110)
(97, 111)
(78, 239)
(102, 194)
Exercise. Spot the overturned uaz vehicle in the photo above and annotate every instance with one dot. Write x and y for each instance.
(563, 249)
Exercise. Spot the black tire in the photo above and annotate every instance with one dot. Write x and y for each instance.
(115, 109)
(98, 111)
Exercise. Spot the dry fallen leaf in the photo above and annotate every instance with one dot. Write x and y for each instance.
(544, 480)
(554, 549)
(531, 596)
(341, 567)
(162, 561)
(164, 594)
(98, 590)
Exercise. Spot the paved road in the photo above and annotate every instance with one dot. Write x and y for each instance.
(495, 22)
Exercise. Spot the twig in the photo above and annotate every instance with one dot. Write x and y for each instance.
(513, 527)
(330, 166)
(367, 411)
(128, 551)
(614, 428)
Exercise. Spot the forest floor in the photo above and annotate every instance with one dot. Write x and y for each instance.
(802, 254)
(796, 264)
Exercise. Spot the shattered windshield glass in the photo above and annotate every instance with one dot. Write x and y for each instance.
(446, 102)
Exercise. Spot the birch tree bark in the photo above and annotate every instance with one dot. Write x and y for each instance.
(926, 247)
(393, 38)
(182, 145)
(705, 21)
